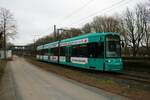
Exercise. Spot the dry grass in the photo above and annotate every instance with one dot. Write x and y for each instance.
(99, 82)
(2, 66)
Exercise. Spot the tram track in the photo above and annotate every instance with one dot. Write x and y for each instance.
(127, 76)
(134, 78)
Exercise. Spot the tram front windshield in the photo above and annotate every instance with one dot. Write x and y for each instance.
(113, 48)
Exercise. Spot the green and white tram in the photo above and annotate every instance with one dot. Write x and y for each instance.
(96, 51)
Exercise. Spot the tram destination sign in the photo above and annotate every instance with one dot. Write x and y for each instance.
(81, 41)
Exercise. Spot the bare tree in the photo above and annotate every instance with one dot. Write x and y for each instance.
(7, 25)
(105, 24)
(141, 23)
(86, 28)
(146, 18)
(129, 25)
(71, 33)
(1, 39)
(136, 27)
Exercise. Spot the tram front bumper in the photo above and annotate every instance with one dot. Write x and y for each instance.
(113, 65)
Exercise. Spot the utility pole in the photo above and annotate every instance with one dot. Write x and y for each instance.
(58, 39)
(59, 31)
(58, 34)
(34, 44)
(4, 32)
(1, 38)
(55, 33)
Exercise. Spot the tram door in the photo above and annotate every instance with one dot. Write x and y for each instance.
(68, 54)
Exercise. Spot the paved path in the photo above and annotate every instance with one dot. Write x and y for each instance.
(32, 83)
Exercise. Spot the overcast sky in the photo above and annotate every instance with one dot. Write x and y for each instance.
(35, 18)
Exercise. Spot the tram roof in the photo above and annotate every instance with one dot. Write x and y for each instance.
(89, 35)
(77, 37)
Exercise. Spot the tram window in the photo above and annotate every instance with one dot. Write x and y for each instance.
(39, 52)
(42, 52)
(92, 50)
(45, 51)
(95, 50)
(79, 51)
(54, 51)
(100, 50)
(62, 51)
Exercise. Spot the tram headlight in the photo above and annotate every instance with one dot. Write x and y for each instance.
(108, 61)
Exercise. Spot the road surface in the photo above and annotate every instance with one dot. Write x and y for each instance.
(28, 82)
